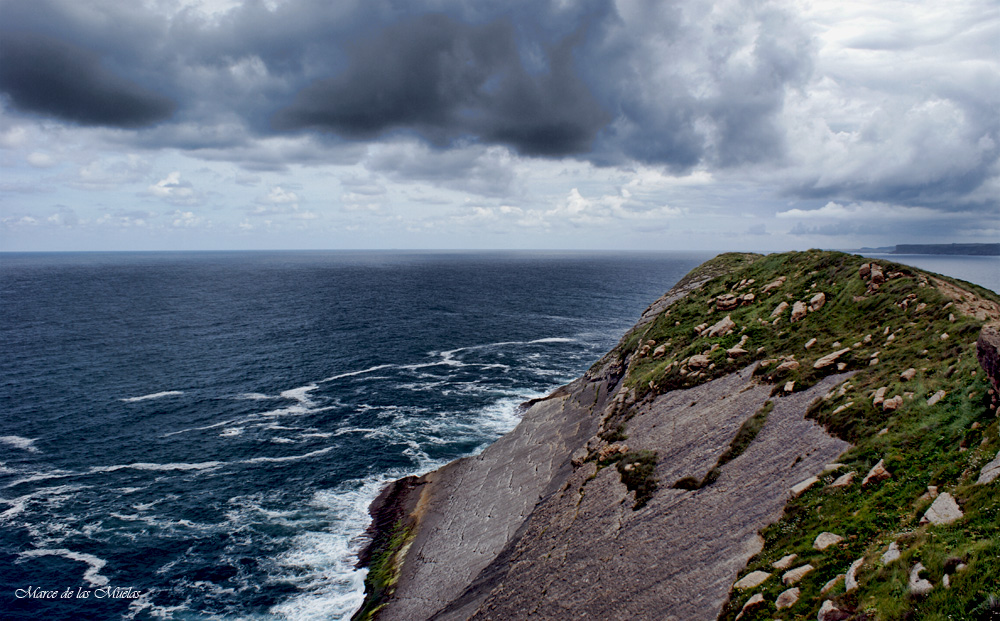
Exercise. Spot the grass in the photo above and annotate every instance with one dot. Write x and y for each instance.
(383, 570)
(943, 445)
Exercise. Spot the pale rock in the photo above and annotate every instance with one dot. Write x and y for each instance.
(774, 284)
(890, 405)
(882, 431)
(851, 580)
(841, 366)
(908, 374)
(832, 467)
(867, 339)
(799, 311)
(878, 277)
(990, 471)
(831, 584)
(660, 351)
(787, 599)
(825, 540)
(753, 602)
(724, 325)
(873, 362)
(944, 337)
(784, 562)
(891, 554)
(865, 270)
(932, 491)
(843, 407)
(828, 612)
(700, 328)
(747, 299)
(791, 577)
(699, 361)
(918, 585)
(779, 309)
(944, 510)
(810, 343)
(890, 338)
(951, 317)
(946, 581)
(727, 301)
(788, 365)
(789, 386)
(876, 474)
(752, 579)
(736, 351)
(936, 397)
(879, 396)
(844, 480)
(800, 488)
(817, 302)
(829, 359)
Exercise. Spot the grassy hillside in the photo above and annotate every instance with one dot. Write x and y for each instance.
(898, 329)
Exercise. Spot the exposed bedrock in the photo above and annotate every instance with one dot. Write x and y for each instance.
(518, 532)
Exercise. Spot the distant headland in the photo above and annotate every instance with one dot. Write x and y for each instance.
(981, 250)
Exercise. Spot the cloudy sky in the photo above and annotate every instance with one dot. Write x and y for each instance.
(589, 124)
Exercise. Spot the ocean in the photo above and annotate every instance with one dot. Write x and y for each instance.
(199, 435)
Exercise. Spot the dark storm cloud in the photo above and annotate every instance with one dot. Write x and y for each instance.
(44, 76)
(447, 80)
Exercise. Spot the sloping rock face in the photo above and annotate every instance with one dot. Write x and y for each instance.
(519, 532)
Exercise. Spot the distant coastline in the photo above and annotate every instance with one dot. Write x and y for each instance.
(976, 250)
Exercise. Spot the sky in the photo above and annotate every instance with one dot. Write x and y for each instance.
(555, 124)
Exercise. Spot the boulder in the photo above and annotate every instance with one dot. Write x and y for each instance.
(817, 302)
(865, 270)
(890, 405)
(737, 351)
(800, 488)
(791, 577)
(753, 602)
(990, 471)
(891, 554)
(908, 374)
(752, 579)
(660, 351)
(878, 277)
(944, 510)
(851, 580)
(825, 540)
(810, 343)
(829, 612)
(789, 386)
(799, 311)
(774, 284)
(747, 299)
(726, 302)
(936, 397)
(784, 562)
(879, 396)
(843, 480)
(699, 361)
(831, 584)
(918, 585)
(721, 327)
(779, 309)
(831, 358)
(787, 599)
(988, 354)
(788, 365)
(876, 474)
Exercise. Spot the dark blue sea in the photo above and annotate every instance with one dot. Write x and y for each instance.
(199, 435)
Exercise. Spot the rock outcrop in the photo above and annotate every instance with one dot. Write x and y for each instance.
(643, 489)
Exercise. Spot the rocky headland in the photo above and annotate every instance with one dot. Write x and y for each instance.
(802, 435)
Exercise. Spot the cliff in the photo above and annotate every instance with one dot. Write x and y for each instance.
(766, 442)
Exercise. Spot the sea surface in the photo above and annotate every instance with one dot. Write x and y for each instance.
(199, 435)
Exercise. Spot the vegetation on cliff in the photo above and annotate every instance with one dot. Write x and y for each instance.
(917, 404)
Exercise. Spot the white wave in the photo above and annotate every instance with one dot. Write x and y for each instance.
(19, 504)
(25, 444)
(157, 467)
(213, 426)
(255, 396)
(281, 441)
(155, 395)
(354, 373)
(300, 394)
(42, 476)
(259, 460)
(93, 573)
(231, 432)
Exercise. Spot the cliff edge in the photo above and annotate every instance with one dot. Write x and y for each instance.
(752, 448)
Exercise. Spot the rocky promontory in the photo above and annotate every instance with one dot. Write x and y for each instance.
(803, 435)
